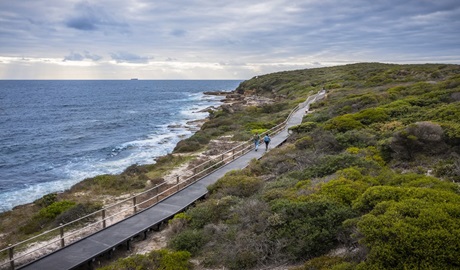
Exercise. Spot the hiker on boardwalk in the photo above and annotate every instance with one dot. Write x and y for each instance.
(267, 141)
(257, 141)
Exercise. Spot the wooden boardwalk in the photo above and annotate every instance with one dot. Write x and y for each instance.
(85, 250)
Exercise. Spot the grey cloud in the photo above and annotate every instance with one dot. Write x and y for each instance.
(93, 57)
(125, 57)
(74, 56)
(82, 23)
(90, 17)
(178, 32)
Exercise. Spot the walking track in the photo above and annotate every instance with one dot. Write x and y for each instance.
(85, 250)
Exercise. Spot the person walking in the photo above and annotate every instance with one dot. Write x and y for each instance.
(267, 141)
(257, 141)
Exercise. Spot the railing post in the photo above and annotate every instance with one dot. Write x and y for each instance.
(62, 235)
(134, 204)
(11, 254)
(156, 189)
(222, 157)
(103, 219)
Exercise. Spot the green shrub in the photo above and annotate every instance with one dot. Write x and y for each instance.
(211, 210)
(359, 138)
(412, 234)
(156, 260)
(55, 209)
(191, 240)
(416, 180)
(236, 185)
(305, 142)
(309, 229)
(343, 123)
(76, 212)
(45, 217)
(187, 147)
(425, 137)
(329, 164)
(168, 260)
(342, 190)
(194, 143)
(371, 115)
(397, 91)
(134, 170)
(449, 168)
(451, 133)
(216, 123)
(399, 108)
(304, 127)
(258, 131)
(47, 200)
(325, 263)
(260, 125)
(355, 103)
(274, 107)
(136, 261)
(105, 180)
(375, 195)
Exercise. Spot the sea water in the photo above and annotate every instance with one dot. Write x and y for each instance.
(54, 134)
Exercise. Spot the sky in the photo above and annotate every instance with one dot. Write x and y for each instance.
(218, 39)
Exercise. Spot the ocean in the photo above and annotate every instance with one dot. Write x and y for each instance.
(54, 134)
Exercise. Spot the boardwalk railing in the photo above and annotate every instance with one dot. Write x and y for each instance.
(65, 234)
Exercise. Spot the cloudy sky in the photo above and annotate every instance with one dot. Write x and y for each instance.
(218, 39)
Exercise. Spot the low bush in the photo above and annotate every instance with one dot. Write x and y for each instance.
(45, 217)
(190, 240)
(371, 115)
(55, 209)
(304, 127)
(305, 142)
(156, 260)
(236, 185)
(211, 211)
(274, 108)
(330, 164)
(134, 170)
(342, 190)
(449, 168)
(375, 195)
(308, 229)
(343, 123)
(326, 263)
(451, 133)
(421, 137)
(47, 200)
(358, 138)
(412, 234)
(194, 143)
(399, 108)
(76, 212)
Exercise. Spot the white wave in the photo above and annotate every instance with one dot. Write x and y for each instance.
(30, 193)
